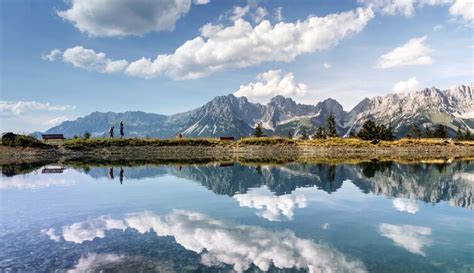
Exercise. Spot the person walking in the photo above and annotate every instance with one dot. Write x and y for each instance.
(121, 129)
(111, 132)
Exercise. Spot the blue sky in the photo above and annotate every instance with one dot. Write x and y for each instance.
(64, 59)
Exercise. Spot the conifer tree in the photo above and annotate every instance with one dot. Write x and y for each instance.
(415, 131)
(290, 134)
(441, 131)
(304, 134)
(459, 134)
(258, 130)
(468, 135)
(331, 126)
(428, 132)
(320, 134)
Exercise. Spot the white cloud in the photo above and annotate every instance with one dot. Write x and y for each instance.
(50, 233)
(56, 121)
(406, 205)
(242, 45)
(259, 15)
(220, 242)
(91, 261)
(239, 12)
(269, 206)
(201, 2)
(406, 86)
(19, 107)
(414, 52)
(26, 182)
(401, 7)
(89, 60)
(463, 8)
(279, 14)
(326, 226)
(125, 17)
(52, 55)
(411, 238)
(270, 84)
(438, 27)
(326, 65)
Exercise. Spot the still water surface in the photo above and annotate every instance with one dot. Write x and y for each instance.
(366, 217)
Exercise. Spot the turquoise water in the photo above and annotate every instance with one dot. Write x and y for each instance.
(367, 217)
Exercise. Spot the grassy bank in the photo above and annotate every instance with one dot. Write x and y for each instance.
(84, 144)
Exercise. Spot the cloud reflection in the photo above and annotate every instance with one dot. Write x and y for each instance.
(406, 205)
(269, 206)
(412, 238)
(92, 261)
(220, 242)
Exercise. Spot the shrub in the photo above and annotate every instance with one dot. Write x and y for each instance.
(87, 135)
(24, 141)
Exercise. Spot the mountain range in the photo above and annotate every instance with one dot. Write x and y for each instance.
(236, 116)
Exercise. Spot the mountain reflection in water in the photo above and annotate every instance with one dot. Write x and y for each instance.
(430, 183)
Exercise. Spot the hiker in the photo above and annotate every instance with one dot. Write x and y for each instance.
(121, 129)
(111, 173)
(121, 175)
(111, 132)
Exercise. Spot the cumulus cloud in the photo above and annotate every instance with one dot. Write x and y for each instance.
(50, 233)
(401, 7)
(19, 107)
(406, 86)
(279, 14)
(89, 60)
(92, 261)
(242, 45)
(269, 206)
(270, 84)
(26, 182)
(220, 242)
(406, 205)
(260, 14)
(52, 55)
(411, 238)
(464, 9)
(414, 52)
(125, 17)
(326, 65)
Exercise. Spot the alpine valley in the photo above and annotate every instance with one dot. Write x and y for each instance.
(236, 116)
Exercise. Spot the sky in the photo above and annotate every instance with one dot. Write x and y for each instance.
(61, 60)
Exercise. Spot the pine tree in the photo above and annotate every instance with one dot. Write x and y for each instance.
(415, 131)
(331, 126)
(320, 134)
(87, 135)
(258, 130)
(290, 135)
(459, 134)
(468, 135)
(304, 134)
(428, 133)
(441, 131)
(368, 131)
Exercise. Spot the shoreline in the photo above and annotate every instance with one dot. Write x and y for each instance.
(296, 151)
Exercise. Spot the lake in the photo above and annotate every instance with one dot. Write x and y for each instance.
(362, 217)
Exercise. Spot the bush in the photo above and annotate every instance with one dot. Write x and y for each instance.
(87, 135)
(24, 141)
(370, 131)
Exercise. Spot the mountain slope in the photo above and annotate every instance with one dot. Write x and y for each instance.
(236, 116)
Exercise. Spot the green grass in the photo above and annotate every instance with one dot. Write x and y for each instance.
(82, 144)
(266, 141)
(25, 141)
